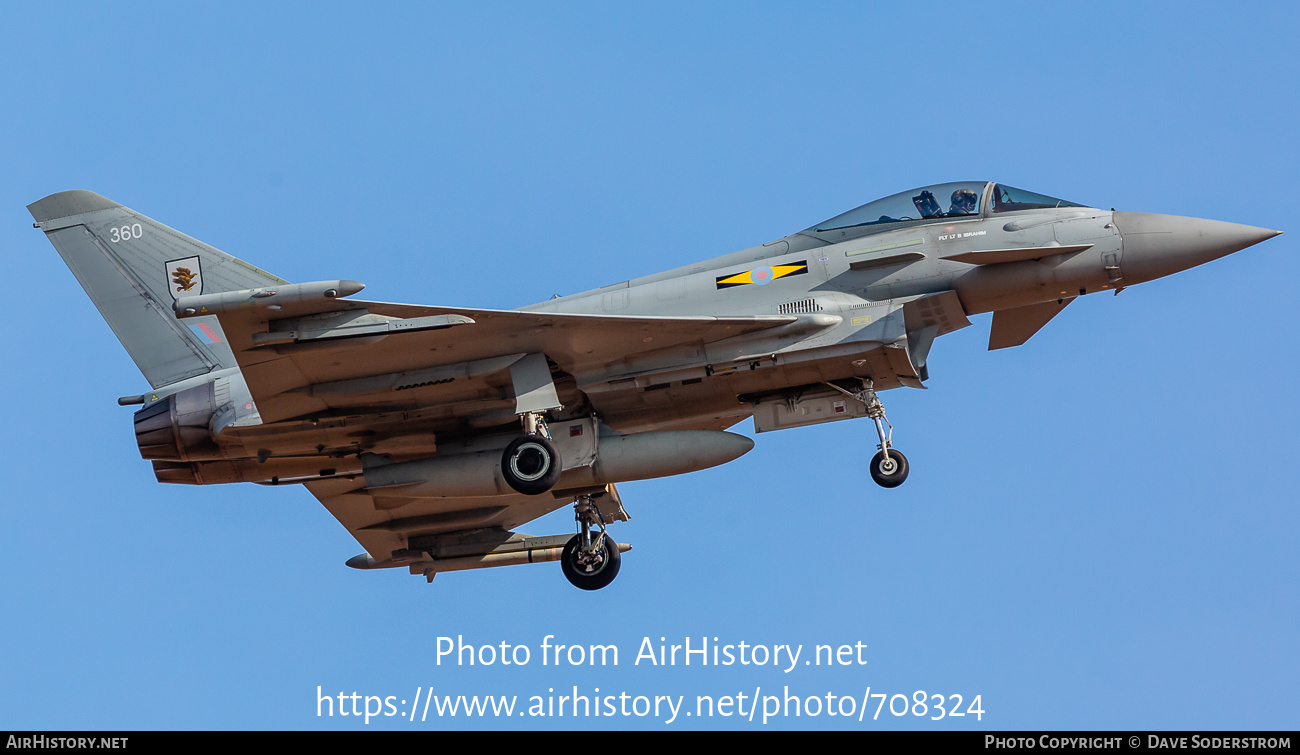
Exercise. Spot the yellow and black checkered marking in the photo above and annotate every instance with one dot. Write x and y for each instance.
(761, 276)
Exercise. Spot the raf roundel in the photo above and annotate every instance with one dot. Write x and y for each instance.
(763, 275)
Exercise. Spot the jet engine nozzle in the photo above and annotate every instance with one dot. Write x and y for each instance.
(178, 427)
(1160, 245)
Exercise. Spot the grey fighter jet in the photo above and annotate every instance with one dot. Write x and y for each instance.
(432, 432)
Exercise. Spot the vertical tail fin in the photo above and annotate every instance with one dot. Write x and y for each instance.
(133, 268)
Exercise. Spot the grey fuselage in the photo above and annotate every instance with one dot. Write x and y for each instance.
(854, 296)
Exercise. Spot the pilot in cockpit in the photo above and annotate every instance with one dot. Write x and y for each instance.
(964, 202)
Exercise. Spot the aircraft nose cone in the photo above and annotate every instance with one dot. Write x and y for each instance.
(1160, 245)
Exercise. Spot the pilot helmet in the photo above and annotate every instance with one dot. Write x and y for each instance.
(964, 200)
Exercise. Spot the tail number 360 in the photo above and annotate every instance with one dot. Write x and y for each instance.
(122, 233)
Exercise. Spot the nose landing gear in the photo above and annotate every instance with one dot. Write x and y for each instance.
(889, 466)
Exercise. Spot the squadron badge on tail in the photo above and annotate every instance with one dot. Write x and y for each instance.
(185, 277)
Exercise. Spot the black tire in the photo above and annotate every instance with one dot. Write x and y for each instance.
(590, 575)
(889, 478)
(531, 464)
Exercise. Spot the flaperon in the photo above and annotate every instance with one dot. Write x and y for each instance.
(432, 432)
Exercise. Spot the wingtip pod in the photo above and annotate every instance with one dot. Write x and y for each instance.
(346, 288)
(68, 203)
(362, 561)
(274, 299)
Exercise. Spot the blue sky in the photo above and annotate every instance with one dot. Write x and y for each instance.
(1098, 530)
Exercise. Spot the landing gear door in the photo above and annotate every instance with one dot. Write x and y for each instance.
(576, 440)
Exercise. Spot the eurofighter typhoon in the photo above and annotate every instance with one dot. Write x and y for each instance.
(432, 433)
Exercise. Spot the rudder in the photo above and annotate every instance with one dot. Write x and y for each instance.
(133, 267)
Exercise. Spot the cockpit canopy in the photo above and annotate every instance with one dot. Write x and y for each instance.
(930, 204)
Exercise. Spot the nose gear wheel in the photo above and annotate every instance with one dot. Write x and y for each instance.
(889, 471)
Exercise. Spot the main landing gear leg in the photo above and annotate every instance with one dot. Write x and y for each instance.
(590, 562)
(531, 463)
(888, 466)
